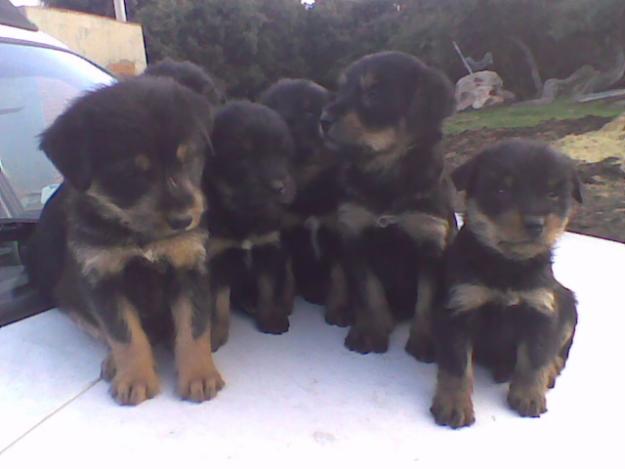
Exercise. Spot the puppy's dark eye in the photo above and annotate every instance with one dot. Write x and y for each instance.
(553, 194)
(142, 163)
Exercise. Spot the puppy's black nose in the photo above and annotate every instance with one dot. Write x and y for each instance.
(177, 222)
(326, 122)
(285, 188)
(534, 225)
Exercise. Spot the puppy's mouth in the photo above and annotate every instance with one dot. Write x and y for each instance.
(330, 142)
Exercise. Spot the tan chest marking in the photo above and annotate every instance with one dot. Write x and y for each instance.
(218, 245)
(186, 250)
(420, 226)
(467, 297)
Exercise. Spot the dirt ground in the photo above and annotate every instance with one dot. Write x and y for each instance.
(603, 211)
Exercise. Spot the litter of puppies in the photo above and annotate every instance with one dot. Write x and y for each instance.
(178, 205)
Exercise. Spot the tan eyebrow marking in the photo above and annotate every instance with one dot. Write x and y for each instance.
(143, 162)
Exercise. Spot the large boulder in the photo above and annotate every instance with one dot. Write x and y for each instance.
(481, 89)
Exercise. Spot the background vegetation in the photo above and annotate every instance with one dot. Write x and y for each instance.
(247, 44)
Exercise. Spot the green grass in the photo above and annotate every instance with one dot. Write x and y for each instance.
(527, 115)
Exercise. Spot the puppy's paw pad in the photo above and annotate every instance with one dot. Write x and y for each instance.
(421, 348)
(201, 388)
(453, 411)
(274, 325)
(366, 342)
(527, 401)
(134, 390)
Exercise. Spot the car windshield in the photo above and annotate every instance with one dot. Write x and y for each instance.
(36, 84)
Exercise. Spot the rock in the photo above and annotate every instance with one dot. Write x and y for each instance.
(481, 89)
(574, 85)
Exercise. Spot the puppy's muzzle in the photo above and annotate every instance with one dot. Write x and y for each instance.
(285, 188)
(326, 121)
(534, 225)
(179, 222)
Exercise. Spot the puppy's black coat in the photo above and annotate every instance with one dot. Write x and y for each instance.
(311, 232)
(190, 75)
(502, 304)
(395, 215)
(120, 246)
(248, 185)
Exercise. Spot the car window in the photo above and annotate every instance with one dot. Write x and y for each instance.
(36, 84)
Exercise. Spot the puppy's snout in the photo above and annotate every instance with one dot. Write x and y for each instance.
(534, 225)
(285, 187)
(179, 222)
(326, 121)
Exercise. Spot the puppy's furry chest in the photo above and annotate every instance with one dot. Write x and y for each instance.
(240, 250)
(354, 220)
(471, 297)
(186, 251)
(479, 278)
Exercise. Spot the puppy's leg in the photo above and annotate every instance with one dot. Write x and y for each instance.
(198, 378)
(374, 321)
(220, 327)
(130, 366)
(288, 289)
(338, 312)
(420, 342)
(452, 404)
(273, 306)
(536, 353)
(568, 314)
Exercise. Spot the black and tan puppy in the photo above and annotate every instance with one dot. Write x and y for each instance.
(248, 185)
(502, 304)
(396, 216)
(190, 75)
(120, 246)
(311, 231)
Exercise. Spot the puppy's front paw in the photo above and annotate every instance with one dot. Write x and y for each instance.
(557, 365)
(422, 348)
(108, 370)
(366, 341)
(454, 410)
(201, 385)
(132, 386)
(527, 400)
(276, 324)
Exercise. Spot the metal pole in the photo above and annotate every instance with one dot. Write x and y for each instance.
(120, 10)
(464, 61)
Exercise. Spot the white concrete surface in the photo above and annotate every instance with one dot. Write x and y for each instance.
(301, 399)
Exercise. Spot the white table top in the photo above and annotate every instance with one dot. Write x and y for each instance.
(302, 398)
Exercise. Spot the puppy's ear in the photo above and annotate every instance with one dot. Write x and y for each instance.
(463, 175)
(66, 144)
(577, 186)
(433, 99)
(202, 111)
